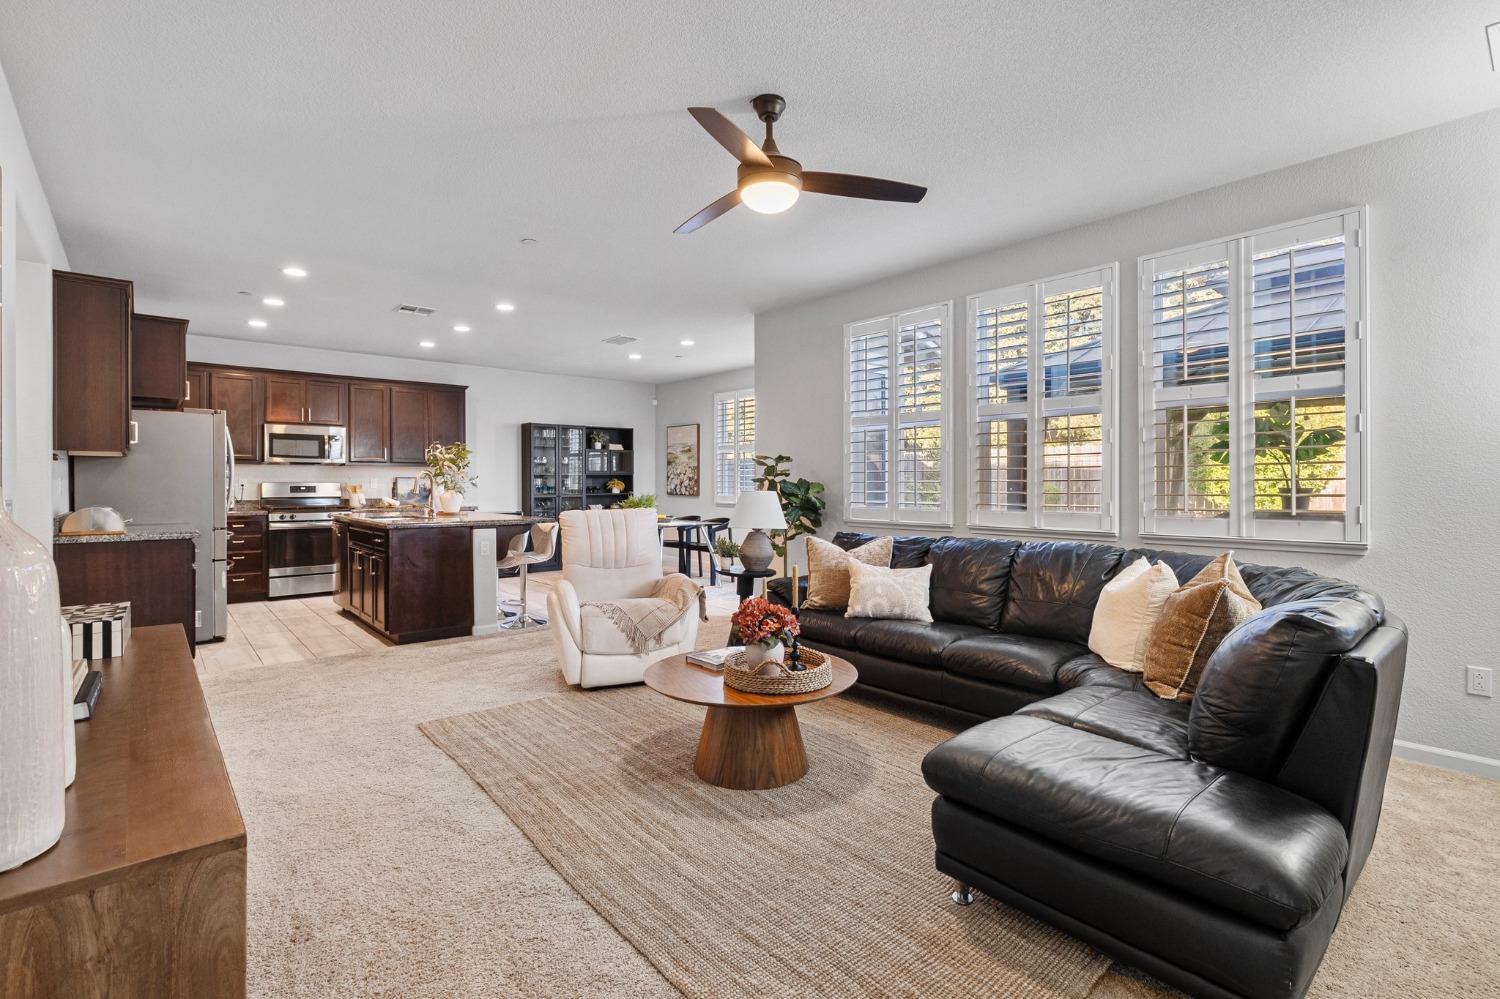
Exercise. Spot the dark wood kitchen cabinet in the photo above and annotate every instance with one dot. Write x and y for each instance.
(369, 422)
(409, 425)
(91, 371)
(157, 577)
(158, 362)
(290, 399)
(246, 563)
(237, 393)
(445, 416)
(197, 389)
(409, 584)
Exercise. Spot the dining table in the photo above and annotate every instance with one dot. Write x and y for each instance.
(680, 525)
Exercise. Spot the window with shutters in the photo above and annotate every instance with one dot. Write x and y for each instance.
(1253, 386)
(734, 444)
(897, 418)
(1042, 398)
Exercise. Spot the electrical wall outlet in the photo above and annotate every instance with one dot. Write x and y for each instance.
(1480, 680)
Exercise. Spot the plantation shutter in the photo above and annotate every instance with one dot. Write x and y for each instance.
(734, 444)
(1252, 418)
(1042, 391)
(897, 418)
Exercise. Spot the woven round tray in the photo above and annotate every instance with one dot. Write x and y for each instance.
(819, 674)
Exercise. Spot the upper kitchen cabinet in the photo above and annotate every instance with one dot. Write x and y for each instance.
(369, 422)
(91, 372)
(236, 393)
(158, 362)
(421, 415)
(445, 415)
(290, 399)
(197, 389)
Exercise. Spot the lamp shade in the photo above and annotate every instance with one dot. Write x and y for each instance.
(758, 510)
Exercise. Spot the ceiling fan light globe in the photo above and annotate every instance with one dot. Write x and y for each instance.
(769, 195)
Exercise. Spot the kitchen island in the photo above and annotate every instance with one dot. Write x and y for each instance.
(418, 578)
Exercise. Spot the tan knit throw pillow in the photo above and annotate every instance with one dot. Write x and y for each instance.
(828, 571)
(1193, 622)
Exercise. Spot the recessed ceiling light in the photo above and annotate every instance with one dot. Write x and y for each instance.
(294, 272)
(273, 302)
(635, 357)
(460, 328)
(259, 324)
(505, 306)
(686, 343)
(428, 344)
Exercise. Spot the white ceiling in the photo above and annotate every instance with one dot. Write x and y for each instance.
(400, 151)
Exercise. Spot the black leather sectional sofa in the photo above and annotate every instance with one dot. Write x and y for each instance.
(1212, 844)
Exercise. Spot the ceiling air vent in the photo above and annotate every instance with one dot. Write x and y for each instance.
(414, 310)
(621, 340)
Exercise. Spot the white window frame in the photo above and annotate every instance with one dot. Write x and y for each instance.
(1239, 395)
(732, 397)
(892, 513)
(1036, 408)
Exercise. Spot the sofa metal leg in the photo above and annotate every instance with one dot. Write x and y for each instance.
(962, 894)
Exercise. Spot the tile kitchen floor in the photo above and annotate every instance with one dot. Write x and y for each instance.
(301, 629)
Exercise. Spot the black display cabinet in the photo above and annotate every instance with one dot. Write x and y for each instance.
(569, 467)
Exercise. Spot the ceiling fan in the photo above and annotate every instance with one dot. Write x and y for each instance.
(770, 182)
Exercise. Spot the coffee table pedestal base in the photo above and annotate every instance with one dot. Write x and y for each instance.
(750, 749)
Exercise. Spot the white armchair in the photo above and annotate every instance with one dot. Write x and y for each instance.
(608, 555)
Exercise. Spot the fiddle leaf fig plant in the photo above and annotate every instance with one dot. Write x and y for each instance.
(802, 501)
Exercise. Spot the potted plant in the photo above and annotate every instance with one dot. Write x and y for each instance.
(725, 552)
(448, 464)
(615, 486)
(641, 501)
(598, 438)
(802, 501)
(764, 629)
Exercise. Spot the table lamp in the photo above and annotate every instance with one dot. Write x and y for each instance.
(757, 512)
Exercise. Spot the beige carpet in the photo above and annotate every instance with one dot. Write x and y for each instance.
(379, 868)
(824, 887)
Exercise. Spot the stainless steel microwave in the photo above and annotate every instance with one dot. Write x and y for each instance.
(299, 444)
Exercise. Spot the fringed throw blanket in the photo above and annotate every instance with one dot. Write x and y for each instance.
(641, 621)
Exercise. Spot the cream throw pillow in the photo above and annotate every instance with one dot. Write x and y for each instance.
(828, 570)
(894, 594)
(1128, 607)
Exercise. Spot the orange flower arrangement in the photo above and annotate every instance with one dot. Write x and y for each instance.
(760, 622)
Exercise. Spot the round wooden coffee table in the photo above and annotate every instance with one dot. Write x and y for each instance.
(750, 742)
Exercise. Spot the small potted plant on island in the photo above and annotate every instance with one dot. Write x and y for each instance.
(448, 465)
(725, 553)
(764, 629)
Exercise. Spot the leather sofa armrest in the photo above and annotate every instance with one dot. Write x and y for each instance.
(779, 590)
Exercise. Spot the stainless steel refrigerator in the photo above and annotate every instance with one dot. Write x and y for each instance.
(179, 471)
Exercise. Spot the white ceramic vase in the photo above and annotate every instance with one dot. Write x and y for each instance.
(764, 659)
(450, 501)
(33, 763)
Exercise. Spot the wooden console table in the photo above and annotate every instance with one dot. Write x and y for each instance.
(144, 895)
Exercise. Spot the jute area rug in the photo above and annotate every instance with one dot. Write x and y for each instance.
(825, 887)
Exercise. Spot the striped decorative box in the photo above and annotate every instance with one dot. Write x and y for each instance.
(100, 631)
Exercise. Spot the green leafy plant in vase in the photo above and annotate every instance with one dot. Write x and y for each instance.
(642, 501)
(802, 501)
(725, 553)
(448, 467)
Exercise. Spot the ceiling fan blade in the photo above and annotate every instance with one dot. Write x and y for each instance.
(728, 134)
(847, 185)
(710, 213)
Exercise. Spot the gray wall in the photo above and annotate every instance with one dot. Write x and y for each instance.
(1434, 252)
(692, 401)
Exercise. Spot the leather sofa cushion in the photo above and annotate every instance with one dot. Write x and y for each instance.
(1127, 714)
(1260, 683)
(970, 577)
(908, 552)
(832, 628)
(919, 642)
(1015, 660)
(1231, 840)
(1270, 584)
(1054, 586)
(1090, 670)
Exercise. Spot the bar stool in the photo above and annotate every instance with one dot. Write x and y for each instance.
(543, 539)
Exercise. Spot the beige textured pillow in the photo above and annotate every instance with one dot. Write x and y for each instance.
(894, 594)
(1193, 622)
(1126, 611)
(828, 570)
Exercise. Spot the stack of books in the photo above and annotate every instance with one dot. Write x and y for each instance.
(86, 685)
(713, 658)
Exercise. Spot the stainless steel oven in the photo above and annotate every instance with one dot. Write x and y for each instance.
(299, 540)
(304, 444)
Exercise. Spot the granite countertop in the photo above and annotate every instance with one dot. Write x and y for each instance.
(133, 532)
(246, 508)
(469, 519)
